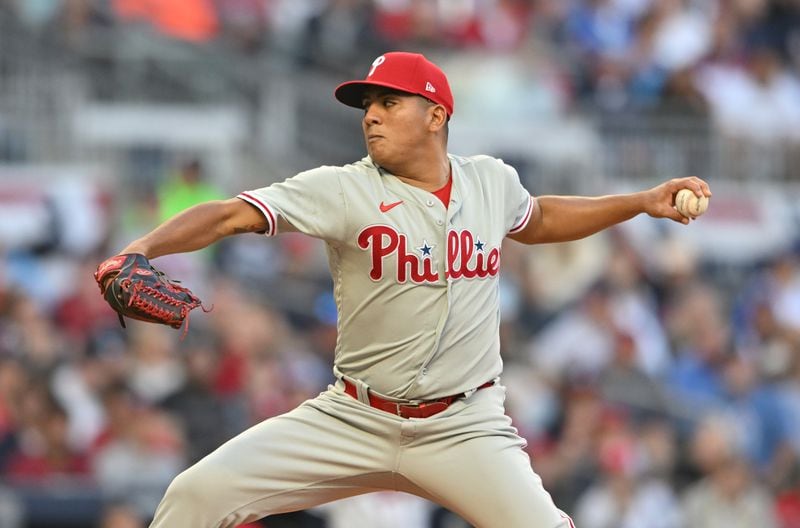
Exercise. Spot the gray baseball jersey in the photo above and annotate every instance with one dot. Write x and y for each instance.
(415, 283)
(417, 293)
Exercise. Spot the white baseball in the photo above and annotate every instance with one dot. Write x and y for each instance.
(689, 205)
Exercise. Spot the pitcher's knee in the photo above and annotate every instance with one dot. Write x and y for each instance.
(197, 486)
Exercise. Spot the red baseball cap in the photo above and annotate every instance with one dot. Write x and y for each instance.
(398, 70)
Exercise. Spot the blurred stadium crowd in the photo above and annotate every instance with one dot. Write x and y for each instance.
(656, 386)
(730, 55)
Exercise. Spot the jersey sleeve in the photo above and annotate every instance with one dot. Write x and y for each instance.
(519, 202)
(312, 202)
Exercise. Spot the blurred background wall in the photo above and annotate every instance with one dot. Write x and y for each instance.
(654, 369)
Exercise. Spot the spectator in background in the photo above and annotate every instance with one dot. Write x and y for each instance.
(727, 496)
(200, 413)
(155, 370)
(566, 459)
(767, 316)
(634, 307)
(557, 276)
(341, 34)
(184, 189)
(700, 334)
(138, 464)
(119, 406)
(726, 45)
(623, 383)
(245, 330)
(533, 403)
(658, 449)
(499, 26)
(190, 20)
(179, 190)
(580, 341)
(243, 23)
(775, 23)
(602, 33)
(414, 22)
(682, 36)
(32, 336)
(623, 497)
(754, 409)
(76, 384)
(81, 314)
(43, 449)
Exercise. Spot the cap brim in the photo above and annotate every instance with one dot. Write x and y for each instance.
(351, 93)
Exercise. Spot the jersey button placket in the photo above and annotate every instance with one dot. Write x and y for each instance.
(430, 202)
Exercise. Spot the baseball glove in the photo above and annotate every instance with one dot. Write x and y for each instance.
(136, 289)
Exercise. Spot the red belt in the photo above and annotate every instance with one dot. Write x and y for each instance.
(409, 410)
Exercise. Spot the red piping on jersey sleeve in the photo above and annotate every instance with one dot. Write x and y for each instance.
(265, 210)
(525, 219)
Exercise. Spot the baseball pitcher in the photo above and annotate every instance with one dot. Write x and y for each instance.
(413, 236)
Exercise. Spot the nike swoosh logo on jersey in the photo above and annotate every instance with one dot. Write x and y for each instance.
(385, 208)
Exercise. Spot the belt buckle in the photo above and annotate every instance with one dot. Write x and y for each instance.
(400, 406)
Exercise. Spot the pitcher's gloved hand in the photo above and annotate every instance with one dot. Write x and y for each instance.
(136, 289)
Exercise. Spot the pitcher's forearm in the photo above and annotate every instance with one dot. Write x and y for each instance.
(197, 227)
(589, 215)
(566, 218)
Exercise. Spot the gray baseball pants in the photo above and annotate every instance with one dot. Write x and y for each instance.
(467, 458)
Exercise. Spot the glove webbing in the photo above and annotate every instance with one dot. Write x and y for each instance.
(146, 305)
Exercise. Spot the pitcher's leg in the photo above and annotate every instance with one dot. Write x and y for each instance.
(472, 462)
(322, 451)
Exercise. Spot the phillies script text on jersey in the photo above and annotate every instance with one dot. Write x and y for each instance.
(385, 241)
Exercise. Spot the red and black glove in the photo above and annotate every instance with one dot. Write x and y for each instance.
(136, 289)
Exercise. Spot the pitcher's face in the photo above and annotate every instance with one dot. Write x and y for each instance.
(395, 124)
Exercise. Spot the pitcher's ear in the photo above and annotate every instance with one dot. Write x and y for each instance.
(439, 117)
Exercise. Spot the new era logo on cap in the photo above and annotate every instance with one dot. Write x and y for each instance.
(406, 72)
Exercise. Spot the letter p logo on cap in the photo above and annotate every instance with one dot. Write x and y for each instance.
(377, 62)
